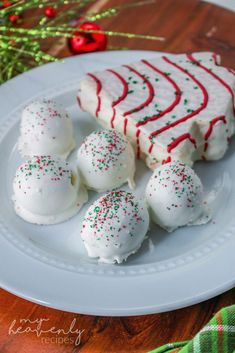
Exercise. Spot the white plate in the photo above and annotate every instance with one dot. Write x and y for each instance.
(48, 264)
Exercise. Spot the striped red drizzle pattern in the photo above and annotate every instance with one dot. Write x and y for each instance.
(121, 98)
(190, 115)
(150, 96)
(179, 139)
(174, 103)
(178, 94)
(98, 90)
(193, 60)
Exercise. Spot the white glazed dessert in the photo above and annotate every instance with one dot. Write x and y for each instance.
(47, 191)
(106, 160)
(46, 129)
(115, 226)
(175, 197)
(179, 107)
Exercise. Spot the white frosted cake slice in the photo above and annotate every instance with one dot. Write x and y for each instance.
(176, 107)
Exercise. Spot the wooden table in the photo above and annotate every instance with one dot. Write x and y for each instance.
(187, 25)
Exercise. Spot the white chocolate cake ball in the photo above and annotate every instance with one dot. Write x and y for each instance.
(106, 160)
(115, 226)
(175, 196)
(47, 191)
(46, 129)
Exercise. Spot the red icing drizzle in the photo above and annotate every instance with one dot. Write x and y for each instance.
(125, 125)
(168, 160)
(212, 124)
(190, 115)
(205, 146)
(210, 129)
(121, 98)
(98, 90)
(179, 139)
(175, 102)
(192, 59)
(138, 143)
(113, 118)
(150, 96)
(150, 148)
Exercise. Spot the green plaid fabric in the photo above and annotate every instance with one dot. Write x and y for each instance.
(218, 336)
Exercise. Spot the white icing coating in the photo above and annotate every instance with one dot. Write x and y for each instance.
(47, 191)
(115, 226)
(106, 160)
(46, 129)
(179, 108)
(175, 197)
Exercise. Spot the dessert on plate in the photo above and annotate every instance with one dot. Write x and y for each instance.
(47, 190)
(176, 107)
(173, 109)
(106, 160)
(115, 226)
(175, 197)
(45, 129)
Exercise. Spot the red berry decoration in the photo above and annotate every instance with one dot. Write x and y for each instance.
(13, 18)
(50, 12)
(82, 42)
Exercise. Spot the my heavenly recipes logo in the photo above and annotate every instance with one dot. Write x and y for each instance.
(46, 332)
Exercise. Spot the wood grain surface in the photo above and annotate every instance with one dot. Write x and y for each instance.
(187, 25)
